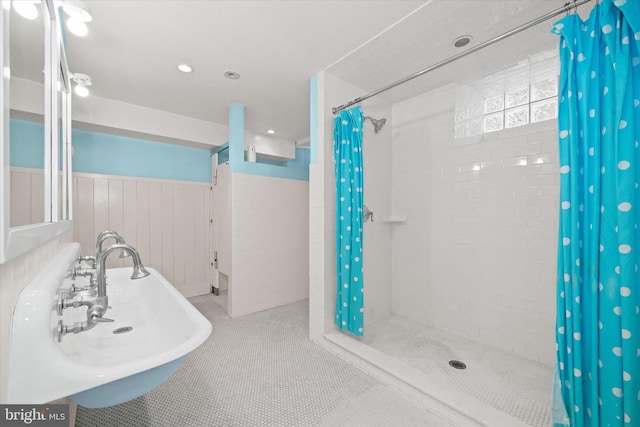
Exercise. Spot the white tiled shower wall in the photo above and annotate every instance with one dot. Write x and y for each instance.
(477, 254)
(377, 197)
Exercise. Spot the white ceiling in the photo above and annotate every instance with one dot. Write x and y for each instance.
(426, 38)
(134, 46)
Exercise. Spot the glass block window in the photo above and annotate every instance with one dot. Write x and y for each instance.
(544, 89)
(516, 117)
(544, 110)
(494, 103)
(517, 97)
(494, 122)
(527, 93)
(520, 111)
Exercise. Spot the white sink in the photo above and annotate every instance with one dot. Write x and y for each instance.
(99, 367)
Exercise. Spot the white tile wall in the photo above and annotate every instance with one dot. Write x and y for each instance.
(377, 197)
(14, 276)
(317, 226)
(322, 269)
(477, 254)
(269, 242)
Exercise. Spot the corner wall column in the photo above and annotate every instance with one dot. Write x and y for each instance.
(236, 137)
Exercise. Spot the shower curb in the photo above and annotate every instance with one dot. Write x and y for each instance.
(456, 408)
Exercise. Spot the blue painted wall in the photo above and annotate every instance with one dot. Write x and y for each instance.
(292, 169)
(313, 119)
(102, 153)
(27, 144)
(223, 153)
(112, 155)
(118, 155)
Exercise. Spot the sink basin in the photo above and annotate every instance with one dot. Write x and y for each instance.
(154, 328)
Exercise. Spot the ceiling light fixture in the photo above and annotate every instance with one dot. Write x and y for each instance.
(27, 9)
(82, 81)
(462, 41)
(271, 131)
(185, 68)
(77, 9)
(77, 27)
(79, 15)
(232, 75)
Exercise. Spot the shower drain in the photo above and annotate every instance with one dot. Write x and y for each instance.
(457, 364)
(123, 330)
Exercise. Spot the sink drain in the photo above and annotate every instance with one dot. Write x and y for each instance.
(123, 330)
(457, 364)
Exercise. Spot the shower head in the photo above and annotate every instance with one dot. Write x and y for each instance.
(377, 124)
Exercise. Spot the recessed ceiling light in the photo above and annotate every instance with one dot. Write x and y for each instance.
(231, 75)
(271, 131)
(462, 41)
(185, 68)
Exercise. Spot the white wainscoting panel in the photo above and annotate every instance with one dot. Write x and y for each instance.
(27, 196)
(166, 221)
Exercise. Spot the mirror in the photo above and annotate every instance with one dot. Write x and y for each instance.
(26, 125)
(35, 95)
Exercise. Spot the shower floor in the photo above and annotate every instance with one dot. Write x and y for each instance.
(513, 385)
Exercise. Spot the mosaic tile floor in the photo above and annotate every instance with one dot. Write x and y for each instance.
(511, 384)
(220, 299)
(261, 370)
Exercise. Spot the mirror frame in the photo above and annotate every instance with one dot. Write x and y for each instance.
(18, 240)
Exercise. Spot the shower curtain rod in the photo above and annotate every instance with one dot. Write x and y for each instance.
(564, 9)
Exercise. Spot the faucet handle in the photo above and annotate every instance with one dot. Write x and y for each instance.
(61, 304)
(60, 331)
(101, 319)
(91, 260)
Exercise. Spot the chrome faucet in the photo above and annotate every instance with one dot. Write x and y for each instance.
(97, 303)
(98, 309)
(88, 259)
(78, 270)
(106, 235)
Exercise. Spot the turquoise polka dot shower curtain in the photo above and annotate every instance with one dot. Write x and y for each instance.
(598, 321)
(347, 147)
